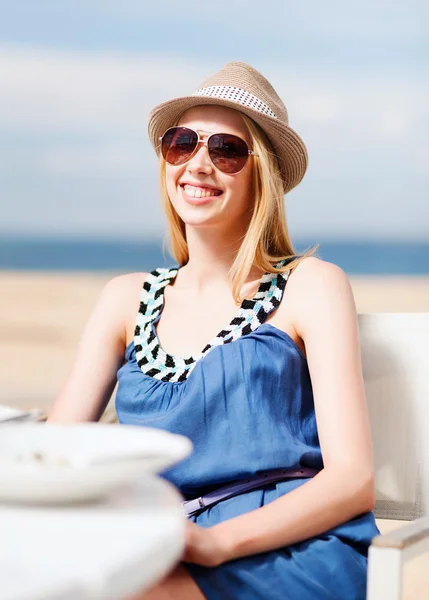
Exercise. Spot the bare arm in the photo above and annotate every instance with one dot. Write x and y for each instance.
(327, 322)
(100, 353)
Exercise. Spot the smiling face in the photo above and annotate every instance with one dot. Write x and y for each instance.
(201, 194)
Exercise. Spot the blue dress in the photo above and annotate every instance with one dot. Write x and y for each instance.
(246, 402)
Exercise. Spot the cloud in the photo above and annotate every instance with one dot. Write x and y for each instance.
(396, 124)
(77, 92)
(84, 92)
(82, 118)
(395, 19)
(123, 159)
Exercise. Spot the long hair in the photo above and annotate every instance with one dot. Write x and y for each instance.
(267, 240)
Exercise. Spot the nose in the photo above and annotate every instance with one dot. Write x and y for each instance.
(200, 162)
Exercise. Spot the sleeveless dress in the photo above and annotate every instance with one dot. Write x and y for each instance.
(246, 402)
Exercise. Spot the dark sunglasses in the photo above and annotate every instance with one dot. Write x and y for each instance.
(228, 153)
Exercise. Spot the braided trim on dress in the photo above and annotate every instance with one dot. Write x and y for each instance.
(156, 363)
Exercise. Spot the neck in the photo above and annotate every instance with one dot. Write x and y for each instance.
(211, 255)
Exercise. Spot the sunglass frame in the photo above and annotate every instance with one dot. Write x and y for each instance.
(206, 143)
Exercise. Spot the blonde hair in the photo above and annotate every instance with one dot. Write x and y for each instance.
(267, 238)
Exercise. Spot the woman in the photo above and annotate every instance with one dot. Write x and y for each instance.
(275, 401)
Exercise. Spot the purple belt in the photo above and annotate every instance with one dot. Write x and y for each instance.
(191, 507)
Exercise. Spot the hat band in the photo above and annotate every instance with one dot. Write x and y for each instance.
(226, 92)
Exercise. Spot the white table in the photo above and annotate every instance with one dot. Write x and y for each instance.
(106, 550)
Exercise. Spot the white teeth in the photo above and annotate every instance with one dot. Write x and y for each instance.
(196, 192)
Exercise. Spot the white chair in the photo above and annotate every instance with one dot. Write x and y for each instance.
(395, 357)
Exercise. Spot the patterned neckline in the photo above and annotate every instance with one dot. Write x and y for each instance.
(157, 363)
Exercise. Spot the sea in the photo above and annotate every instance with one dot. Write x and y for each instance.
(122, 256)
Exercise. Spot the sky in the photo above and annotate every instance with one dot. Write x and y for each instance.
(79, 78)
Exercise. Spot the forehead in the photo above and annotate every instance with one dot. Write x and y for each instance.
(218, 119)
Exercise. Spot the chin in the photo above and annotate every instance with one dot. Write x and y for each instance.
(198, 220)
(197, 217)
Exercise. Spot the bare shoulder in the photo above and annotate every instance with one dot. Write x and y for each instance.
(122, 286)
(313, 271)
(122, 293)
(316, 289)
(315, 274)
(119, 300)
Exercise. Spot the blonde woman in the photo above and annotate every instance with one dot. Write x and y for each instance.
(249, 350)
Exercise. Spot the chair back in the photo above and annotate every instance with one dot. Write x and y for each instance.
(395, 360)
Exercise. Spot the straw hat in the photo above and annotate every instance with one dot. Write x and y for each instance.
(240, 86)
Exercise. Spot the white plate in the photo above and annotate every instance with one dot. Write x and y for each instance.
(46, 462)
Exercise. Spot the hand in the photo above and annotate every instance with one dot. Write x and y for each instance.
(203, 546)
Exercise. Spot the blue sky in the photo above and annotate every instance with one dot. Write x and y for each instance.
(78, 79)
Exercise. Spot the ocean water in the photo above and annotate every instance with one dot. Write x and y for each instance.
(365, 258)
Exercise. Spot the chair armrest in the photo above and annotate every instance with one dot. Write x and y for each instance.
(406, 537)
(387, 555)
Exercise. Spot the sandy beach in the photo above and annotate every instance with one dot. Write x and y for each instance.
(42, 316)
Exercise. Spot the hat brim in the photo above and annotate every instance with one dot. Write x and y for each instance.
(288, 146)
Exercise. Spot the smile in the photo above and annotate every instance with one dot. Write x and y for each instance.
(200, 192)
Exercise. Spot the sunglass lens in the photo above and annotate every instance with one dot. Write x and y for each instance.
(229, 153)
(178, 144)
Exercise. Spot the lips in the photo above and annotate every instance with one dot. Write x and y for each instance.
(200, 191)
